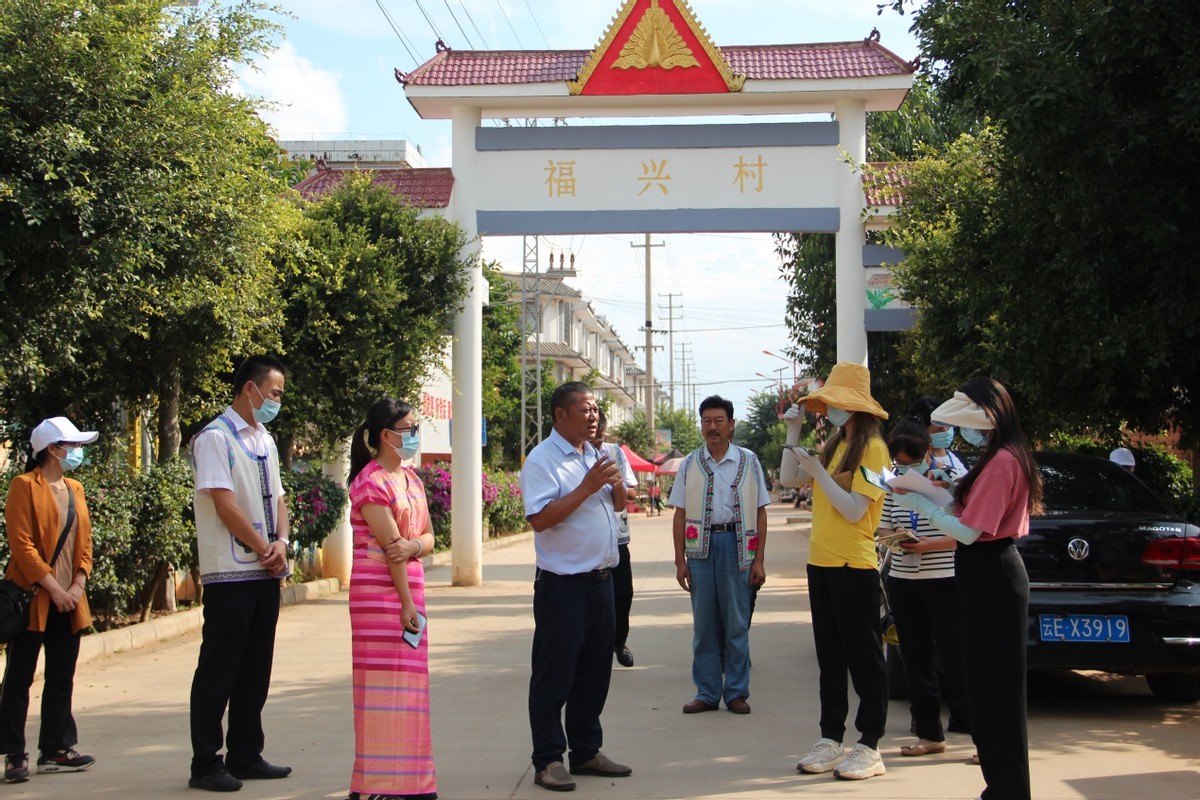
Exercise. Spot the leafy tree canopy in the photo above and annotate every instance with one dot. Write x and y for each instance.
(1055, 251)
(368, 303)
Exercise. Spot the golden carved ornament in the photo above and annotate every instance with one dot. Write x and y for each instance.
(655, 43)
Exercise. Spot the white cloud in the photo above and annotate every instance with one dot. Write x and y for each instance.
(307, 99)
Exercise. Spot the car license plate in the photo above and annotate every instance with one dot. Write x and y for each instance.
(1084, 627)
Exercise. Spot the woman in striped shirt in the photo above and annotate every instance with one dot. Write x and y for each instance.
(921, 594)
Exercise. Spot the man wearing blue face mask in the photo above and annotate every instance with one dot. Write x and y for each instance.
(242, 537)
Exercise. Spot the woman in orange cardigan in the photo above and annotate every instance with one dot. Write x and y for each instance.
(39, 507)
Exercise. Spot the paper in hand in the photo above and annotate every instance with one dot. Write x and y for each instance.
(892, 540)
(913, 481)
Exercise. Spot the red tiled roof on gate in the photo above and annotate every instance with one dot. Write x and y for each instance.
(422, 188)
(884, 182)
(822, 61)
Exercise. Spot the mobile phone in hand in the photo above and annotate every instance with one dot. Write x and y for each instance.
(799, 449)
(414, 639)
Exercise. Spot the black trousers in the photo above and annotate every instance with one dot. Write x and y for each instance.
(234, 670)
(926, 613)
(58, 730)
(622, 576)
(993, 605)
(572, 666)
(845, 620)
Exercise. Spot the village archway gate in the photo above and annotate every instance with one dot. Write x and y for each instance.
(654, 61)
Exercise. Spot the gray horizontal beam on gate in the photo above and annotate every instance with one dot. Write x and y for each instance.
(889, 319)
(876, 255)
(683, 220)
(652, 137)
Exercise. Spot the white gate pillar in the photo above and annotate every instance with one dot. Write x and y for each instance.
(337, 551)
(851, 279)
(466, 472)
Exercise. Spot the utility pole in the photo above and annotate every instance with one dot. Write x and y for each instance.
(649, 329)
(684, 356)
(671, 337)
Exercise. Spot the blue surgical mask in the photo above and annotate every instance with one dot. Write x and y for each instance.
(974, 436)
(73, 459)
(410, 444)
(837, 416)
(920, 468)
(268, 410)
(943, 439)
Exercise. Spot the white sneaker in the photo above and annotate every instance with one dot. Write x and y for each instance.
(824, 756)
(863, 762)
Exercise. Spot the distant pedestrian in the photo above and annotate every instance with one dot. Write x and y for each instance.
(1123, 457)
(655, 492)
(50, 538)
(242, 538)
(623, 573)
(571, 491)
(392, 531)
(843, 566)
(993, 504)
(720, 532)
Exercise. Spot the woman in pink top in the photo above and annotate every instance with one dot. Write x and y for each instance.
(992, 508)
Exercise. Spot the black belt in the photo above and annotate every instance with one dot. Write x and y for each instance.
(593, 575)
(724, 527)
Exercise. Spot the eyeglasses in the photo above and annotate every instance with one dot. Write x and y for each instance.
(413, 429)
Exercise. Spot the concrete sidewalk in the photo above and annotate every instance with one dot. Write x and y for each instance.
(1090, 738)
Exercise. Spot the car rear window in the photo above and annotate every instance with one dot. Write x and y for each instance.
(1079, 484)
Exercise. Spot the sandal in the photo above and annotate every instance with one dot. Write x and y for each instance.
(975, 759)
(923, 747)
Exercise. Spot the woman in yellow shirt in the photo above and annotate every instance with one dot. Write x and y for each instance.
(843, 567)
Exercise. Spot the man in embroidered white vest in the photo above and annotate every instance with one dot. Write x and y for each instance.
(720, 530)
(242, 537)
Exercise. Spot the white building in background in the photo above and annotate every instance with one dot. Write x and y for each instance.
(352, 153)
(577, 341)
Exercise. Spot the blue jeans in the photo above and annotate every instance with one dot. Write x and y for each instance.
(720, 607)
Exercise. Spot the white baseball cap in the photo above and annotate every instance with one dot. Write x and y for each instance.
(1122, 456)
(58, 429)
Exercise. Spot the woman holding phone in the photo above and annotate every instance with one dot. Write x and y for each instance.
(992, 506)
(392, 531)
(843, 566)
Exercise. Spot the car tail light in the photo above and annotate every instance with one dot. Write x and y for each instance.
(1173, 553)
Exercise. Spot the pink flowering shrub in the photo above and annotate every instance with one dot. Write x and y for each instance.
(315, 506)
(502, 504)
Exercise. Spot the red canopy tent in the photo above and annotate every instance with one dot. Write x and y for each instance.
(638, 463)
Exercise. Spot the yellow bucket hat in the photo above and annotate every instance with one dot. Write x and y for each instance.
(848, 388)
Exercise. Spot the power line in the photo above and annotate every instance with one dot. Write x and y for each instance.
(473, 25)
(454, 17)
(432, 27)
(500, 6)
(536, 25)
(396, 30)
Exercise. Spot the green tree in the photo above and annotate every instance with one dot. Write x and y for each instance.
(368, 305)
(924, 125)
(135, 209)
(502, 369)
(1073, 290)
(634, 433)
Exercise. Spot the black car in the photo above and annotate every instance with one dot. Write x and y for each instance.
(1114, 580)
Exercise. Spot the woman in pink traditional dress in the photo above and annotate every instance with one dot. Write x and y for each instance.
(392, 530)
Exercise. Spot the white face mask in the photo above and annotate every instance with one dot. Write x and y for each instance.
(837, 416)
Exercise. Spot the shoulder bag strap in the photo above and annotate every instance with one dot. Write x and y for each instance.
(62, 537)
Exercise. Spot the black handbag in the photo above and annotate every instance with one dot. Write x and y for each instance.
(15, 601)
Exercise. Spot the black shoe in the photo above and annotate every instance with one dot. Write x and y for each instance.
(219, 780)
(16, 768)
(63, 761)
(624, 656)
(260, 771)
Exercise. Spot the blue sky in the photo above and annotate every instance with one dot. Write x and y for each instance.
(332, 78)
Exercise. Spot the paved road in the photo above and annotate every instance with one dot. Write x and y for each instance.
(1092, 738)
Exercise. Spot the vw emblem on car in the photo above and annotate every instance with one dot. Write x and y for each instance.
(1078, 549)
